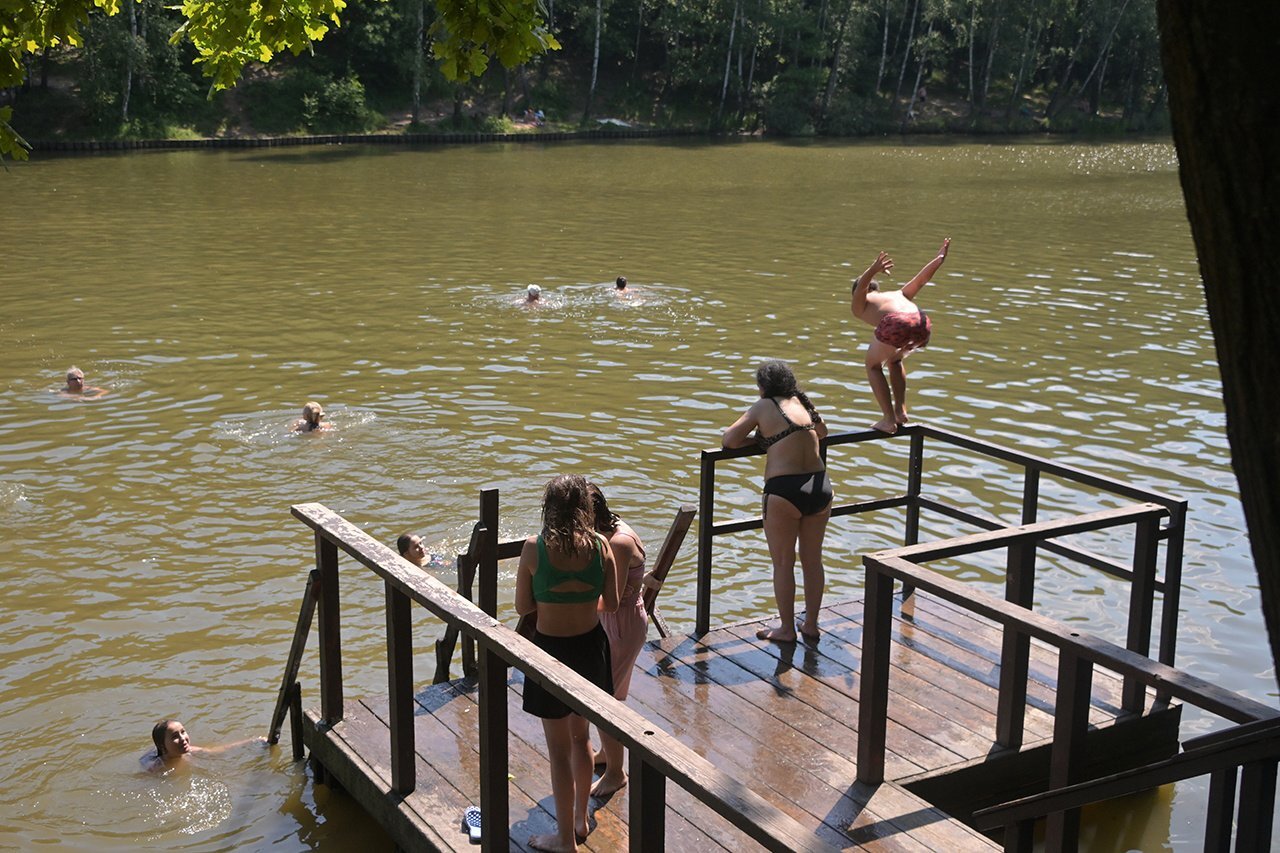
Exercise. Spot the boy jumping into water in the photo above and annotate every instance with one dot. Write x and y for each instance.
(901, 327)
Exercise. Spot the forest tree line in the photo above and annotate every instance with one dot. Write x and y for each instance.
(789, 67)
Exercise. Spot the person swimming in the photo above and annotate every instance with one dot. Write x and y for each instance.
(411, 548)
(75, 386)
(174, 746)
(312, 414)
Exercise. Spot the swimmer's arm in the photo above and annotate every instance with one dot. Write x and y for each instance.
(739, 433)
(911, 288)
(524, 577)
(213, 750)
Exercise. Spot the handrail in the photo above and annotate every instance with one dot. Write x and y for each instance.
(1172, 533)
(1078, 654)
(1261, 743)
(655, 755)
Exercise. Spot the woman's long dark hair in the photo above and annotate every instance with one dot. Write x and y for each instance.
(566, 515)
(776, 380)
(604, 520)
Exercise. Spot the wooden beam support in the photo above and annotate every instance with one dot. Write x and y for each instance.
(330, 631)
(400, 689)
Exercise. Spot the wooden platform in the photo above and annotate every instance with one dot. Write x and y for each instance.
(781, 718)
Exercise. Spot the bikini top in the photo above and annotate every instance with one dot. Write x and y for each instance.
(792, 426)
(547, 577)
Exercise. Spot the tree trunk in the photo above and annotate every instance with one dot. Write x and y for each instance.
(635, 62)
(728, 62)
(1060, 95)
(915, 90)
(991, 58)
(884, 48)
(127, 88)
(595, 62)
(1027, 42)
(1218, 65)
(834, 77)
(973, 22)
(417, 61)
(906, 54)
(1106, 46)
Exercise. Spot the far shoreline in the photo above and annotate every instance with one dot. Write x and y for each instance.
(102, 146)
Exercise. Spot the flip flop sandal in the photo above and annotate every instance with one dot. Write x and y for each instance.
(471, 820)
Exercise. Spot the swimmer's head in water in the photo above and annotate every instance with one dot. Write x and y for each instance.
(534, 292)
(312, 413)
(171, 738)
(75, 379)
(621, 283)
(410, 547)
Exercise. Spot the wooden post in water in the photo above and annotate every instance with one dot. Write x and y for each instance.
(1070, 727)
(330, 632)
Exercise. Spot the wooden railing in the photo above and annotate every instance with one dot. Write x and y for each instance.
(1171, 533)
(655, 757)
(1078, 654)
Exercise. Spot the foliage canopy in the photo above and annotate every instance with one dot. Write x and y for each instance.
(229, 34)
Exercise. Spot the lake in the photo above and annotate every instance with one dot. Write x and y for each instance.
(152, 568)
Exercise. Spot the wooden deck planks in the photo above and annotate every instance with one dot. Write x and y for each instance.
(781, 717)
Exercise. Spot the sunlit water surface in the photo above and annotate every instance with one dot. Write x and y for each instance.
(151, 567)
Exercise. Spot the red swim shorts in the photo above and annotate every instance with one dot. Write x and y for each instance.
(904, 329)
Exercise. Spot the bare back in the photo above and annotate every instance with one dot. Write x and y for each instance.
(796, 453)
(878, 304)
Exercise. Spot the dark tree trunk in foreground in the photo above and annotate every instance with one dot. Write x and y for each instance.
(1225, 106)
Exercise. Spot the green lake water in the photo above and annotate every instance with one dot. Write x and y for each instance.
(150, 564)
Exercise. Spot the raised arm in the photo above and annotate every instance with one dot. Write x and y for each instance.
(882, 263)
(911, 288)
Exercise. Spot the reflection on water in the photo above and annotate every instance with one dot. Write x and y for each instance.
(152, 567)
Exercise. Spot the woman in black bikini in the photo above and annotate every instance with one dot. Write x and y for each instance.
(797, 494)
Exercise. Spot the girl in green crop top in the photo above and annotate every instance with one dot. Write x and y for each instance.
(567, 575)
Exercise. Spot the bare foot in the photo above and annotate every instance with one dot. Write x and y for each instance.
(552, 843)
(810, 633)
(900, 416)
(885, 425)
(778, 635)
(608, 784)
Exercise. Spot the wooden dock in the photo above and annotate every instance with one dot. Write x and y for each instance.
(928, 713)
(781, 718)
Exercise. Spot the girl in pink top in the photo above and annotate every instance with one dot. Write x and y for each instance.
(628, 628)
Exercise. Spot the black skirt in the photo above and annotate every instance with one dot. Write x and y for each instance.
(586, 654)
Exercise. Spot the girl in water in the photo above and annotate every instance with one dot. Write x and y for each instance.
(567, 576)
(173, 746)
(312, 414)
